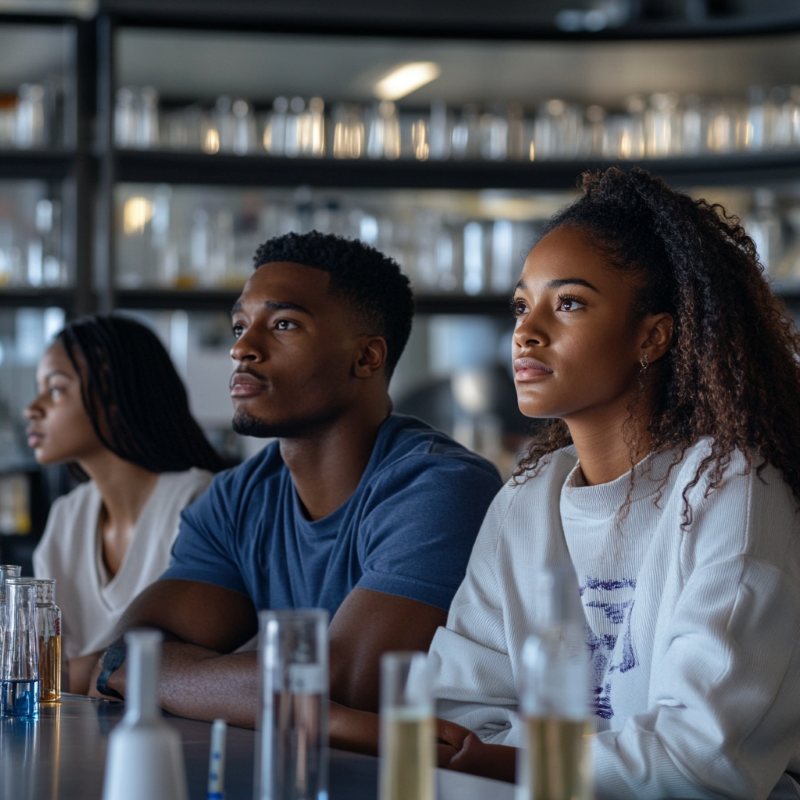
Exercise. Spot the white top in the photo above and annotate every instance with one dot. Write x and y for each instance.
(693, 635)
(70, 552)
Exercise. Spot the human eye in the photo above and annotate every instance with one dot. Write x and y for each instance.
(285, 325)
(55, 392)
(517, 307)
(568, 302)
(238, 329)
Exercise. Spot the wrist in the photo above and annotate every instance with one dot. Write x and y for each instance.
(111, 661)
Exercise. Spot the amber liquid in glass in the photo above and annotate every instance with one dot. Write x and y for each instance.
(408, 746)
(49, 668)
(555, 754)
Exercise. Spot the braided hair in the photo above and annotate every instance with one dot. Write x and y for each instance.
(134, 398)
(732, 372)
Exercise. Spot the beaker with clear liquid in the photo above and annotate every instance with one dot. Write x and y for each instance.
(293, 760)
(19, 671)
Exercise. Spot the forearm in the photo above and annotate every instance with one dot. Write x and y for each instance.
(202, 684)
(353, 730)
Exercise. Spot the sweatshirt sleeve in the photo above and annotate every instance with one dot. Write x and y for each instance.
(722, 719)
(473, 678)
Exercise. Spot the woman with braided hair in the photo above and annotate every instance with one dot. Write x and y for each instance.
(669, 477)
(112, 406)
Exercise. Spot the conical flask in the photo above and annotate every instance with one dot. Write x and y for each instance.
(145, 758)
(19, 670)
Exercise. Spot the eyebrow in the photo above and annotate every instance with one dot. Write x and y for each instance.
(274, 305)
(559, 282)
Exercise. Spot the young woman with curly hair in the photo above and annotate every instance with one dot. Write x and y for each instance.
(669, 477)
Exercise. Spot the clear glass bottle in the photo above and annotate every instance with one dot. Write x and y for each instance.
(554, 696)
(48, 633)
(6, 571)
(19, 671)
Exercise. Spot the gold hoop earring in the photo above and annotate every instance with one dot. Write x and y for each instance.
(645, 362)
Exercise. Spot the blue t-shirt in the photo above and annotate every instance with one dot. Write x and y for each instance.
(407, 530)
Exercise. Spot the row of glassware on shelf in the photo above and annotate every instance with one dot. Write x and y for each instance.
(661, 125)
(174, 239)
(179, 238)
(27, 118)
(30, 242)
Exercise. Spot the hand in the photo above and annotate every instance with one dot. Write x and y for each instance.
(461, 750)
(116, 681)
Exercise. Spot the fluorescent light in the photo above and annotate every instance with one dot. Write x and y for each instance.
(405, 79)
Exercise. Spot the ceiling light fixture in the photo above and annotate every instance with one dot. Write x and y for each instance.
(405, 79)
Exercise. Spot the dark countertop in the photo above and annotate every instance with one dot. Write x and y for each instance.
(61, 756)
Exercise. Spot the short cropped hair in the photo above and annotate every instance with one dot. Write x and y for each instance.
(371, 283)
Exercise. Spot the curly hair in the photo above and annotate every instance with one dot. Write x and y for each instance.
(732, 372)
(135, 400)
(371, 283)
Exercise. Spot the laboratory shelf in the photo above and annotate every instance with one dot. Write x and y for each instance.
(52, 164)
(37, 298)
(222, 300)
(231, 170)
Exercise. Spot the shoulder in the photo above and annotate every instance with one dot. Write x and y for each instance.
(407, 445)
(254, 474)
(71, 504)
(534, 489)
(72, 518)
(192, 482)
(751, 503)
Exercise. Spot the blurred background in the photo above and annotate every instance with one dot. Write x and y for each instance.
(148, 146)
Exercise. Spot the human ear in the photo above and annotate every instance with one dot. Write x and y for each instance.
(371, 356)
(657, 335)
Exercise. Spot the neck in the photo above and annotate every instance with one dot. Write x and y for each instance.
(599, 437)
(124, 487)
(327, 465)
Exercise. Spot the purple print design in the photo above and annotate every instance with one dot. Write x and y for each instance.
(608, 605)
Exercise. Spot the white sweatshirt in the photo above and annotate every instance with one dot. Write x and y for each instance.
(693, 634)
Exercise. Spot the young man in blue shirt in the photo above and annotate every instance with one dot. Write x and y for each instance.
(354, 509)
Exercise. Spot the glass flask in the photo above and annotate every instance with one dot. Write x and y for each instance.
(48, 636)
(6, 571)
(19, 672)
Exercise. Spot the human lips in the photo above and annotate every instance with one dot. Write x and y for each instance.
(244, 384)
(35, 438)
(528, 369)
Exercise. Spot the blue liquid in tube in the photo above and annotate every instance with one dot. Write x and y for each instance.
(20, 699)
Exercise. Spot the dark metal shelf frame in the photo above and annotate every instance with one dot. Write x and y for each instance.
(154, 166)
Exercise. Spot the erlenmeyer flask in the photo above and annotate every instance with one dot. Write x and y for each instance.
(19, 672)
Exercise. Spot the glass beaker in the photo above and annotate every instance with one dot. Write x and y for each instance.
(6, 571)
(407, 740)
(19, 672)
(293, 652)
(48, 635)
(554, 697)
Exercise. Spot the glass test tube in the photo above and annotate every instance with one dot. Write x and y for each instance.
(293, 759)
(19, 671)
(407, 740)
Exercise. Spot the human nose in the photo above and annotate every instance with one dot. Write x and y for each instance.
(34, 410)
(531, 329)
(249, 347)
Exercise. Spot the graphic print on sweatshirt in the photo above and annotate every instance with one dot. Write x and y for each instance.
(608, 605)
